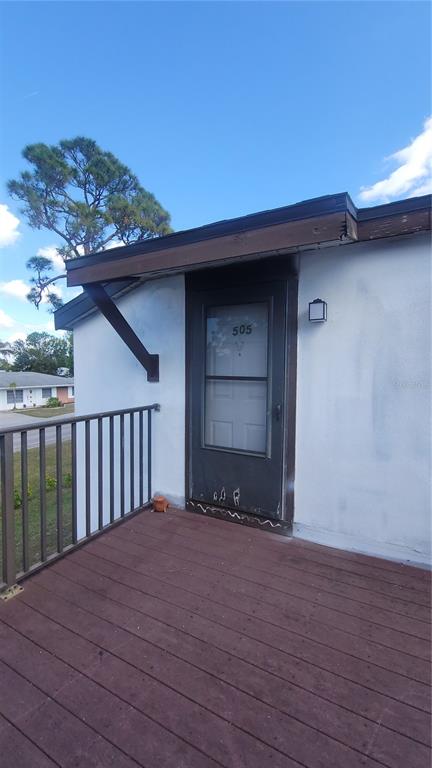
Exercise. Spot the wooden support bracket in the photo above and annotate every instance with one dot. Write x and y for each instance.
(110, 311)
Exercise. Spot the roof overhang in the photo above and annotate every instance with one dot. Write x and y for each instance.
(316, 223)
(322, 220)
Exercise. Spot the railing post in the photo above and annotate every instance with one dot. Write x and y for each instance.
(8, 511)
(149, 455)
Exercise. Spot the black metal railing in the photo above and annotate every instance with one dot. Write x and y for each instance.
(64, 481)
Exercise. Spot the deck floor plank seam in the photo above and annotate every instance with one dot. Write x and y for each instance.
(415, 577)
(25, 739)
(198, 552)
(310, 637)
(294, 761)
(285, 548)
(71, 713)
(195, 520)
(110, 599)
(287, 597)
(419, 627)
(381, 588)
(208, 567)
(184, 641)
(86, 722)
(271, 647)
(145, 640)
(371, 760)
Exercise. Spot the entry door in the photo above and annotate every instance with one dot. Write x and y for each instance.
(237, 374)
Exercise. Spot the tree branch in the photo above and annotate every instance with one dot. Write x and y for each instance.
(45, 283)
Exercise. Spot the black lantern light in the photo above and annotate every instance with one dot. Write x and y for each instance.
(317, 311)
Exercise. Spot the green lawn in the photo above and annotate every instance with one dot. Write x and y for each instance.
(47, 413)
(51, 502)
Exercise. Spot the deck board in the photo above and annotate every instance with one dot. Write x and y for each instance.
(150, 615)
(413, 639)
(17, 749)
(272, 590)
(178, 640)
(162, 543)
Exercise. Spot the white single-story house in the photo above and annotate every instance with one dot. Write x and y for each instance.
(27, 389)
(290, 353)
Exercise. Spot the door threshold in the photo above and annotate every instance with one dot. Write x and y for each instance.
(240, 518)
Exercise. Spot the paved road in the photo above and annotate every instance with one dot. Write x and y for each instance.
(14, 419)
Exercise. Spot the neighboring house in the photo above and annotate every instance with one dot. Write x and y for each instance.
(27, 389)
(290, 353)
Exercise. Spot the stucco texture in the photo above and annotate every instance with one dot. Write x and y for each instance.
(363, 399)
(108, 376)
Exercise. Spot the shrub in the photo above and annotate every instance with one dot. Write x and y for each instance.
(50, 482)
(67, 480)
(18, 497)
(53, 402)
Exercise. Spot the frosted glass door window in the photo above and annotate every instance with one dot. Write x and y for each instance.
(237, 340)
(236, 378)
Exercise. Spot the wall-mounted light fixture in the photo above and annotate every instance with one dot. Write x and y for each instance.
(317, 311)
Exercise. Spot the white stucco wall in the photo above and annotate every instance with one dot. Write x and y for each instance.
(363, 433)
(362, 477)
(108, 377)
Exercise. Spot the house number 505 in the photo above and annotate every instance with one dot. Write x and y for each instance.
(241, 329)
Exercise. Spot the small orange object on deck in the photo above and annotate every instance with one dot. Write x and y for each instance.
(160, 504)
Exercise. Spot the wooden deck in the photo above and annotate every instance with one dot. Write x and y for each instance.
(178, 641)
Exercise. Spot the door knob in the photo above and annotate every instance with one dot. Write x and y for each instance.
(277, 410)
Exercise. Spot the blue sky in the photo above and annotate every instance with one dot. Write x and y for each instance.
(220, 108)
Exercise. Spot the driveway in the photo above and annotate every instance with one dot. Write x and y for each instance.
(14, 419)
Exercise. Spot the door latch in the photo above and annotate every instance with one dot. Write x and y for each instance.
(277, 411)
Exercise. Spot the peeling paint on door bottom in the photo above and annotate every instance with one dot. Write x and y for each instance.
(242, 518)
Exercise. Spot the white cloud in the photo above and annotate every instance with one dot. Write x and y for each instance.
(5, 320)
(412, 177)
(17, 288)
(22, 330)
(50, 252)
(8, 227)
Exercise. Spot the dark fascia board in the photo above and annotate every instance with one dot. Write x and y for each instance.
(80, 307)
(308, 209)
(421, 203)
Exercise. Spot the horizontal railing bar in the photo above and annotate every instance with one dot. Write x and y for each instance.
(45, 423)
